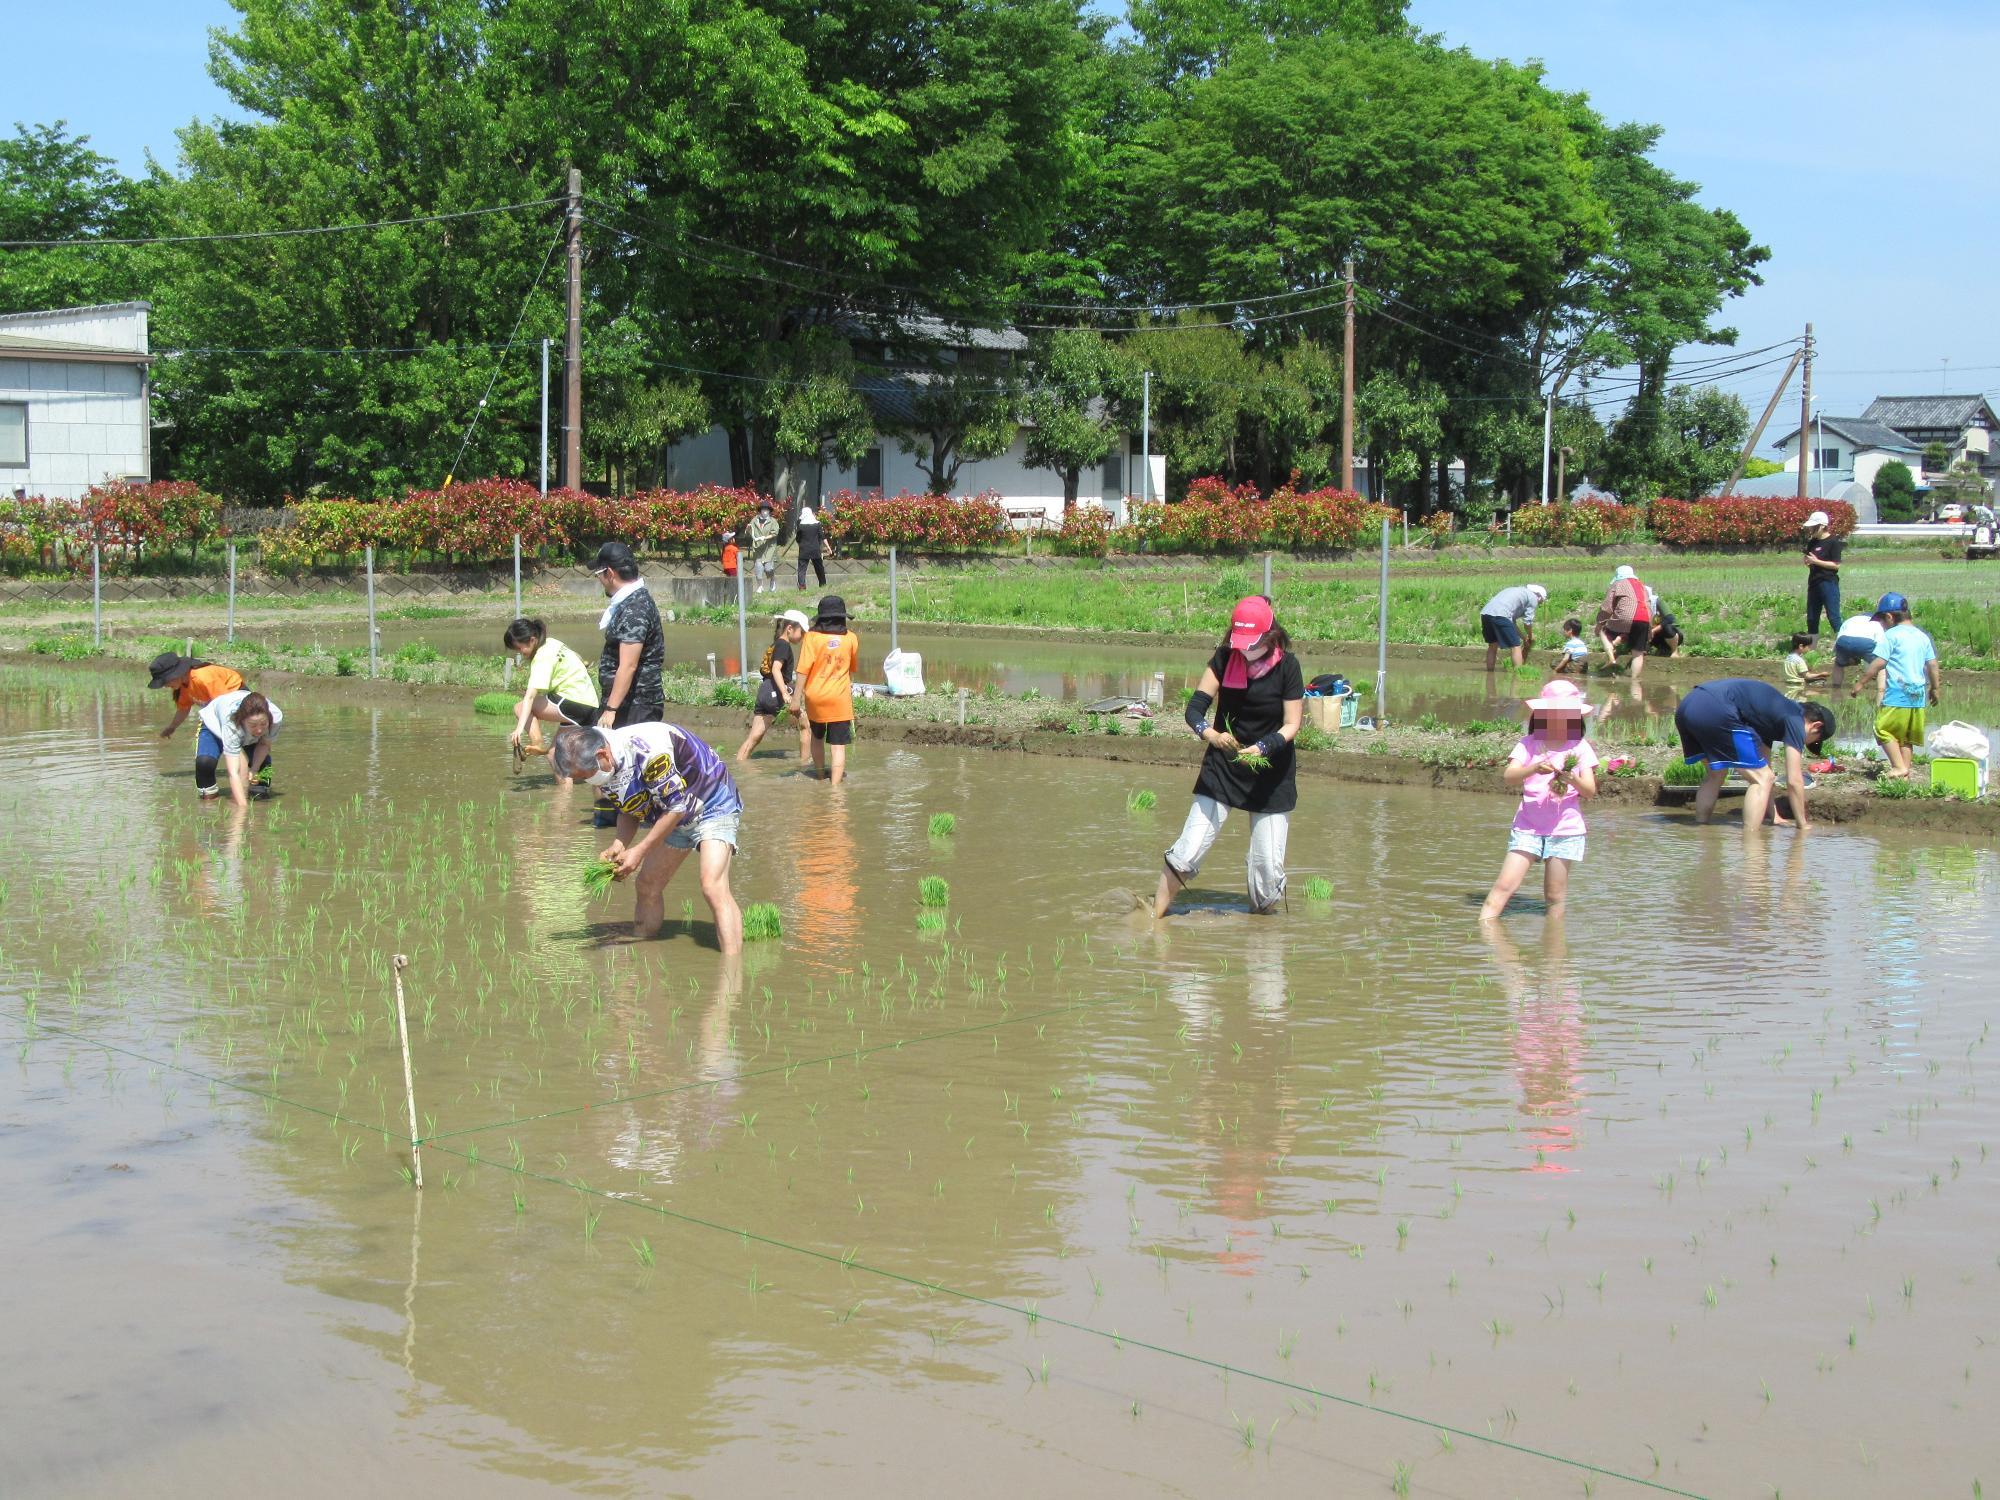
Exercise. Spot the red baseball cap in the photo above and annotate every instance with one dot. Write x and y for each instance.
(1251, 622)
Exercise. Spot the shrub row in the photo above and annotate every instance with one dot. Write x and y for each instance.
(1217, 518)
(122, 519)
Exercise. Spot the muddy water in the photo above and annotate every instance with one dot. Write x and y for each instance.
(1694, 1188)
(1453, 691)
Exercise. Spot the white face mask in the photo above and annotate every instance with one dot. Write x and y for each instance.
(1257, 652)
(600, 778)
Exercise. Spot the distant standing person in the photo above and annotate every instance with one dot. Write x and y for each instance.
(237, 729)
(812, 546)
(778, 689)
(1255, 691)
(763, 530)
(1823, 551)
(1730, 724)
(1856, 643)
(672, 784)
(635, 651)
(1625, 618)
(1507, 620)
(828, 659)
(195, 683)
(1907, 660)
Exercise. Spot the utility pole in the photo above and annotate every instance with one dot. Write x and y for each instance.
(1548, 428)
(1805, 414)
(1757, 432)
(545, 418)
(1347, 382)
(1145, 438)
(572, 465)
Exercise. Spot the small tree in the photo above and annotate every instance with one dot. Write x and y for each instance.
(1937, 457)
(1962, 486)
(1895, 492)
(1077, 377)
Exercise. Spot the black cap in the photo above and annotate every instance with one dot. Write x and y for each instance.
(168, 664)
(763, 505)
(832, 607)
(615, 556)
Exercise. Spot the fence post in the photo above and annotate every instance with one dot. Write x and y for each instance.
(1267, 575)
(961, 708)
(1382, 632)
(371, 611)
(711, 666)
(232, 593)
(742, 626)
(892, 598)
(96, 595)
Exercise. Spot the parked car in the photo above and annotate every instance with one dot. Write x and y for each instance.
(1949, 515)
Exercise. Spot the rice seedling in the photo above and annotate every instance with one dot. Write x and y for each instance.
(1142, 800)
(1318, 888)
(1680, 773)
(943, 825)
(933, 891)
(598, 878)
(930, 921)
(762, 922)
(497, 704)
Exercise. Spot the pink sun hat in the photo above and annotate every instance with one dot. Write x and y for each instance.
(1560, 697)
(1250, 622)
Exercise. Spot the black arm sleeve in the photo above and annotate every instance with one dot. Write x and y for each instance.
(1198, 706)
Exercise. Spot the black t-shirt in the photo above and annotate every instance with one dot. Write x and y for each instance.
(780, 654)
(1250, 713)
(810, 539)
(1826, 549)
(636, 618)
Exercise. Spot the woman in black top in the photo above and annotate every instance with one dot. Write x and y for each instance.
(1255, 691)
(1823, 551)
(812, 546)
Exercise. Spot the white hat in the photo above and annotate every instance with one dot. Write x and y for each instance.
(1817, 518)
(1538, 591)
(1624, 572)
(806, 517)
(794, 617)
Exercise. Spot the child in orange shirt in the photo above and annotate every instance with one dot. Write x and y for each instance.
(729, 554)
(827, 662)
(195, 684)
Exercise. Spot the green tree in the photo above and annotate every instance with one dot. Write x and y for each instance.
(1188, 39)
(634, 425)
(812, 411)
(1758, 468)
(1937, 457)
(1684, 447)
(1895, 491)
(959, 413)
(1962, 484)
(1078, 381)
(1399, 425)
(53, 186)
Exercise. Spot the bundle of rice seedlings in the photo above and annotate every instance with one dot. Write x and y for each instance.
(762, 922)
(943, 825)
(932, 891)
(498, 704)
(598, 878)
(1318, 888)
(1140, 801)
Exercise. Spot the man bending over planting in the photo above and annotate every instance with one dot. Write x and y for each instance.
(677, 788)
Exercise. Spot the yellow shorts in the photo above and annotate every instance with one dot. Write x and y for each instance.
(1903, 725)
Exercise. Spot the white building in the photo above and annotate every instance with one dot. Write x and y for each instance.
(1850, 449)
(75, 399)
(903, 363)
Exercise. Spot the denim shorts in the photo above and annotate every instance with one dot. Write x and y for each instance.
(692, 833)
(1568, 846)
(1853, 651)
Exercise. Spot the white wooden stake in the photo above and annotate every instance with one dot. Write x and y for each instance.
(400, 963)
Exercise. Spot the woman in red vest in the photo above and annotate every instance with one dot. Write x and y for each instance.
(1626, 617)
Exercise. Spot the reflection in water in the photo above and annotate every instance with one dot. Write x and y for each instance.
(1547, 1034)
(826, 875)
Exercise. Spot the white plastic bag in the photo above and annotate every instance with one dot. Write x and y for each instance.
(1960, 739)
(904, 671)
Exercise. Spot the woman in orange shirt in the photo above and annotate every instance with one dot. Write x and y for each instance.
(827, 663)
(195, 684)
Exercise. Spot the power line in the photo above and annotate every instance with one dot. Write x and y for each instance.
(344, 350)
(92, 242)
(499, 364)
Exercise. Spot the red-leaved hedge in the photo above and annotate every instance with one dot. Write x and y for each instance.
(931, 523)
(1741, 523)
(121, 518)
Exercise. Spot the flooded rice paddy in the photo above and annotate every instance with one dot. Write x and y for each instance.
(1691, 1194)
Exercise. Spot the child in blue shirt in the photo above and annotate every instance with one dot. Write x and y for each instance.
(1575, 653)
(1908, 663)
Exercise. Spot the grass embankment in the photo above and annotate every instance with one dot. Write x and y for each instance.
(1728, 607)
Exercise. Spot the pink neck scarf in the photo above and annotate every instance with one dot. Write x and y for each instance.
(1240, 671)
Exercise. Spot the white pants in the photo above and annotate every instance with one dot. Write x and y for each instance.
(1266, 864)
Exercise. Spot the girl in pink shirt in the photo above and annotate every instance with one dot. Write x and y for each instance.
(1555, 768)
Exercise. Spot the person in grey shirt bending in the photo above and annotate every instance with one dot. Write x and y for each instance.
(1508, 619)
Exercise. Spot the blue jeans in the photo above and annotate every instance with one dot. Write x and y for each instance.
(1822, 596)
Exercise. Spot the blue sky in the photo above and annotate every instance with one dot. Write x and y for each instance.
(1852, 138)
